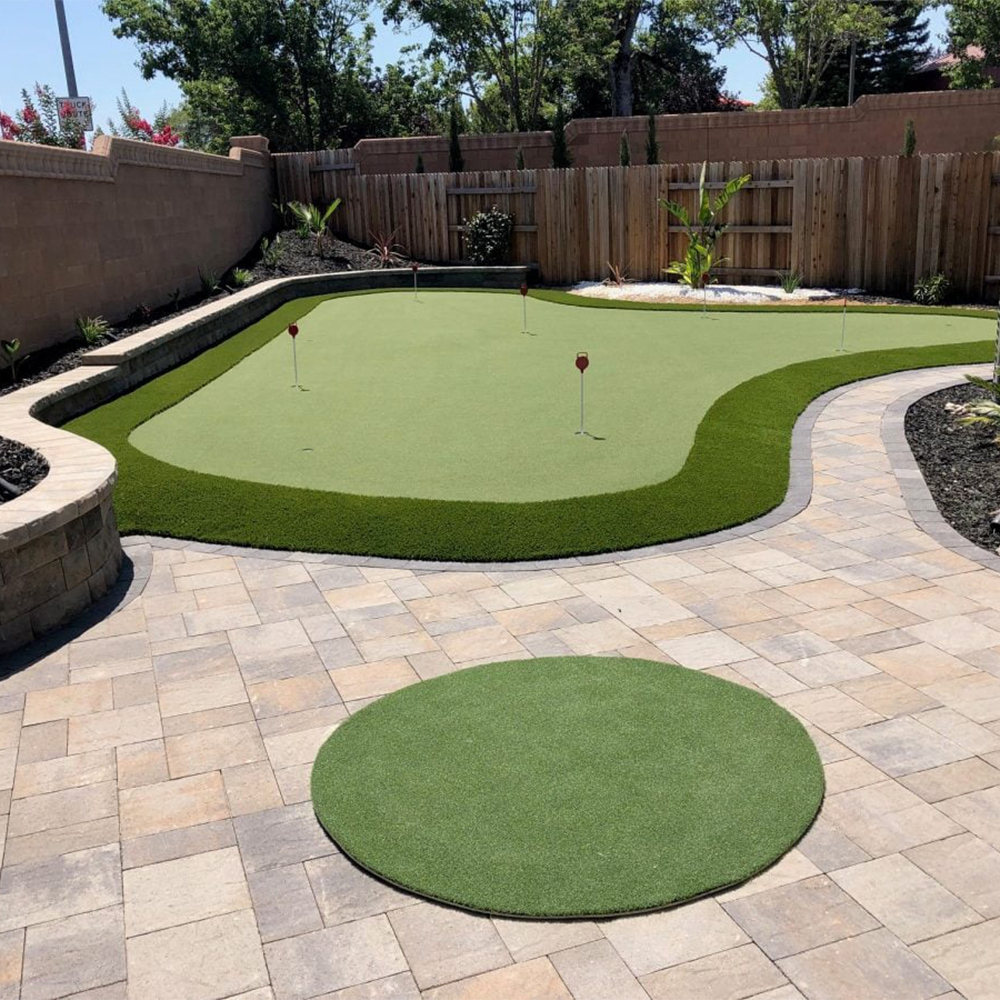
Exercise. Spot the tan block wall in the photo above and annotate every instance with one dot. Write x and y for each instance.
(954, 121)
(99, 233)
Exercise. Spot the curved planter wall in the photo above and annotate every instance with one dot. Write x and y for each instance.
(59, 545)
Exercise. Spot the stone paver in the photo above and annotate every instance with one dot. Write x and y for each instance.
(156, 838)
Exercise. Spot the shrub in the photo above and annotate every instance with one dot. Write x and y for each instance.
(92, 328)
(209, 281)
(789, 280)
(240, 277)
(271, 252)
(909, 138)
(932, 290)
(488, 236)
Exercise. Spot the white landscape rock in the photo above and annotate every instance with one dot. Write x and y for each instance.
(669, 291)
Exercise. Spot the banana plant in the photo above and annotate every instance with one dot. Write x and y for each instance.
(10, 348)
(314, 219)
(703, 228)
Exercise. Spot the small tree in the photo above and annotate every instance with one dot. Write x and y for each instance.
(456, 162)
(561, 156)
(652, 146)
(519, 162)
(420, 168)
(909, 138)
(624, 153)
(703, 230)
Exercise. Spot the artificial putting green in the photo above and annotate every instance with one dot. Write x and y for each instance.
(736, 467)
(568, 786)
(443, 398)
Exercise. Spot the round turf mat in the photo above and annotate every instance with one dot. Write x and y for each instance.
(569, 786)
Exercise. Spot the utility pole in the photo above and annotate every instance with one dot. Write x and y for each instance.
(67, 52)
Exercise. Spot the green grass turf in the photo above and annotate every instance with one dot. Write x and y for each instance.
(736, 467)
(443, 398)
(570, 786)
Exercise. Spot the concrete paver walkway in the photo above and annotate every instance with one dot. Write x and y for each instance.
(157, 839)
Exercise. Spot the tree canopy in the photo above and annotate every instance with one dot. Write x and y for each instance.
(973, 23)
(799, 39)
(297, 71)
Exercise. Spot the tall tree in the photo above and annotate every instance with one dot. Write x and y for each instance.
(297, 71)
(973, 23)
(669, 69)
(885, 67)
(507, 44)
(799, 39)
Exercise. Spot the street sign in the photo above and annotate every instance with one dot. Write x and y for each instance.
(82, 114)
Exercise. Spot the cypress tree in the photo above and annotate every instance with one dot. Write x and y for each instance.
(909, 138)
(561, 157)
(456, 162)
(624, 153)
(652, 146)
(420, 168)
(519, 162)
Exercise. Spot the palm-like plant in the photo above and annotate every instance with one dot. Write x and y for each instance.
(314, 219)
(703, 229)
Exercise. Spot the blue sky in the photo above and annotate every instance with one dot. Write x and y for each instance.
(104, 64)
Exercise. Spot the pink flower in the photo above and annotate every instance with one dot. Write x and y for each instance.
(66, 109)
(9, 129)
(29, 115)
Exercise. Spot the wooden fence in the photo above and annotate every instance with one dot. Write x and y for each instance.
(876, 223)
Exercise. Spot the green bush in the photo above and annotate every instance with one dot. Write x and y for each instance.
(933, 290)
(92, 328)
(488, 236)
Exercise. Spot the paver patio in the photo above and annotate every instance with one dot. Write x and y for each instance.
(157, 838)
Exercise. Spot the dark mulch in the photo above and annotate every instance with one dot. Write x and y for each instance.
(20, 468)
(297, 257)
(961, 465)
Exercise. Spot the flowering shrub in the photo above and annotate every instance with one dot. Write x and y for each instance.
(134, 126)
(43, 120)
(488, 236)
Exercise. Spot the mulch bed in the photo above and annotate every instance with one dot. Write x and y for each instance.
(298, 257)
(961, 465)
(20, 469)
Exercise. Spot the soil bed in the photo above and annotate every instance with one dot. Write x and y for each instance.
(961, 465)
(20, 467)
(297, 257)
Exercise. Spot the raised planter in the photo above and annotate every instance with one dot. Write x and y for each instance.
(59, 544)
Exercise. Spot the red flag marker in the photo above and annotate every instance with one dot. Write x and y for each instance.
(582, 363)
(293, 332)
